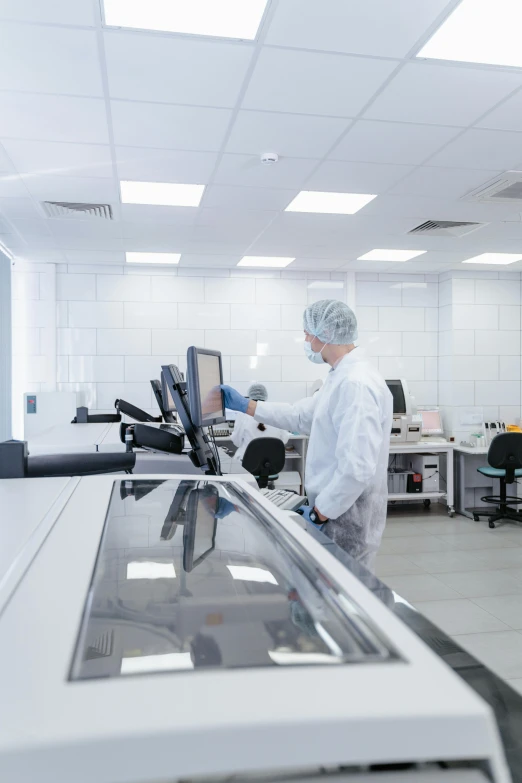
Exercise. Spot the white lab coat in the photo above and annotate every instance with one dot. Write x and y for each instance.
(246, 429)
(349, 422)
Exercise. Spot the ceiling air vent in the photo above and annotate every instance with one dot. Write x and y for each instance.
(503, 187)
(445, 228)
(67, 209)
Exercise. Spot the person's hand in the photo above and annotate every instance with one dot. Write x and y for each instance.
(234, 401)
(305, 512)
(224, 508)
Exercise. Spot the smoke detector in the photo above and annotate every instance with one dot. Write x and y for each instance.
(269, 158)
(446, 228)
(66, 209)
(504, 187)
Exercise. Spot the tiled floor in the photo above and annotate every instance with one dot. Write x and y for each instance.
(464, 577)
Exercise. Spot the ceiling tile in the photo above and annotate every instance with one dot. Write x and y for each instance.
(53, 118)
(442, 94)
(441, 182)
(145, 213)
(314, 83)
(482, 149)
(216, 225)
(94, 257)
(79, 12)
(356, 177)
(392, 142)
(49, 59)
(256, 132)
(236, 197)
(150, 165)
(91, 241)
(168, 127)
(248, 170)
(61, 159)
(175, 69)
(369, 27)
(150, 232)
(420, 208)
(86, 190)
(32, 227)
(18, 208)
(101, 229)
(11, 186)
(207, 260)
(507, 116)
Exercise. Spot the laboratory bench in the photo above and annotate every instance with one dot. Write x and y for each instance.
(425, 447)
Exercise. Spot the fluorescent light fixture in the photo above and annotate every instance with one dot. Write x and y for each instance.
(221, 18)
(326, 284)
(156, 663)
(152, 258)
(391, 255)
(275, 262)
(479, 31)
(150, 570)
(502, 259)
(252, 574)
(329, 203)
(163, 194)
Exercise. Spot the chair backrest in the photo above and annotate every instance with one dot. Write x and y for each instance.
(505, 452)
(264, 457)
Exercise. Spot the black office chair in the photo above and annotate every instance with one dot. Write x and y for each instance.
(264, 458)
(505, 463)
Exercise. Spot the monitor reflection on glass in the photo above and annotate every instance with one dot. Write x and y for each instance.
(199, 532)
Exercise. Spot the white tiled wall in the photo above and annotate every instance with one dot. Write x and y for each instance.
(398, 326)
(116, 326)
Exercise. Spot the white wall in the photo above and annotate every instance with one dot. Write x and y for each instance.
(5, 347)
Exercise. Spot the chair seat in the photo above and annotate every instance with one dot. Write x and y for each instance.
(497, 472)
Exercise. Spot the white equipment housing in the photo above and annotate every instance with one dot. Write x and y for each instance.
(428, 467)
(407, 424)
(166, 628)
(43, 410)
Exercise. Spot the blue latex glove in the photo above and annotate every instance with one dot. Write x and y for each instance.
(224, 508)
(234, 400)
(304, 511)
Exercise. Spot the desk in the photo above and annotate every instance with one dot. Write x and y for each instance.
(424, 447)
(471, 485)
(68, 439)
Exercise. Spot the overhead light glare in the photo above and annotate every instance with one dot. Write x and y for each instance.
(164, 194)
(152, 258)
(272, 262)
(252, 574)
(391, 255)
(479, 31)
(165, 662)
(141, 569)
(501, 259)
(329, 203)
(220, 18)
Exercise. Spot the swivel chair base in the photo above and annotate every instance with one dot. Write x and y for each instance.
(500, 501)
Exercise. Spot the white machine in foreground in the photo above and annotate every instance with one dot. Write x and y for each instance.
(174, 628)
(407, 423)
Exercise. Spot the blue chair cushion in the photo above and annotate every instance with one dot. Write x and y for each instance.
(497, 472)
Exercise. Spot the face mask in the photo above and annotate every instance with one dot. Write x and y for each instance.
(315, 356)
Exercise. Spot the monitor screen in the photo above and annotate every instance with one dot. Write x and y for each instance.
(199, 534)
(204, 377)
(399, 400)
(168, 402)
(431, 422)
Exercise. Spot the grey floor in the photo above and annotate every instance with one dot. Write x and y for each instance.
(463, 576)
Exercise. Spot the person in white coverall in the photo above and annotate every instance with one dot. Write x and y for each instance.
(349, 422)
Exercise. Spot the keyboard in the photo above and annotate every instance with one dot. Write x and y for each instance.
(222, 433)
(284, 499)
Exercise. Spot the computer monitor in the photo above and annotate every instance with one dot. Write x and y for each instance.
(204, 379)
(199, 531)
(431, 422)
(168, 415)
(176, 398)
(401, 397)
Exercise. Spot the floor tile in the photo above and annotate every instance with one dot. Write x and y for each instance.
(478, 584)
(446, 562)
(475, 540)
(516, 684)
(395, 564)
(403, 545)
(501, 558)
(460, 617)
(507, 608)
(421, 587)
(500, 651)
(457, 525)
(399, 528)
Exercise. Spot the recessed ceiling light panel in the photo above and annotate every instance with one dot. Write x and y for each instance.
(220, 18)
(329, 203)
(391, 255)
(502, 259)
(166, 194)
(152, 258)
(274, 262)
(479, 31)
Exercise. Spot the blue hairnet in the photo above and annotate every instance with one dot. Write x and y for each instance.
(331, 322)
(258, 392)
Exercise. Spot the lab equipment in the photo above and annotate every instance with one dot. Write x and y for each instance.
(204, 379)
(331, 321)
(407, 423)
(15, 462)
(168, 416)
(427, 466)
(414, 483)
(431, 422)
(284, 499)
(166, 438)
(267, 617)
(43, 410)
